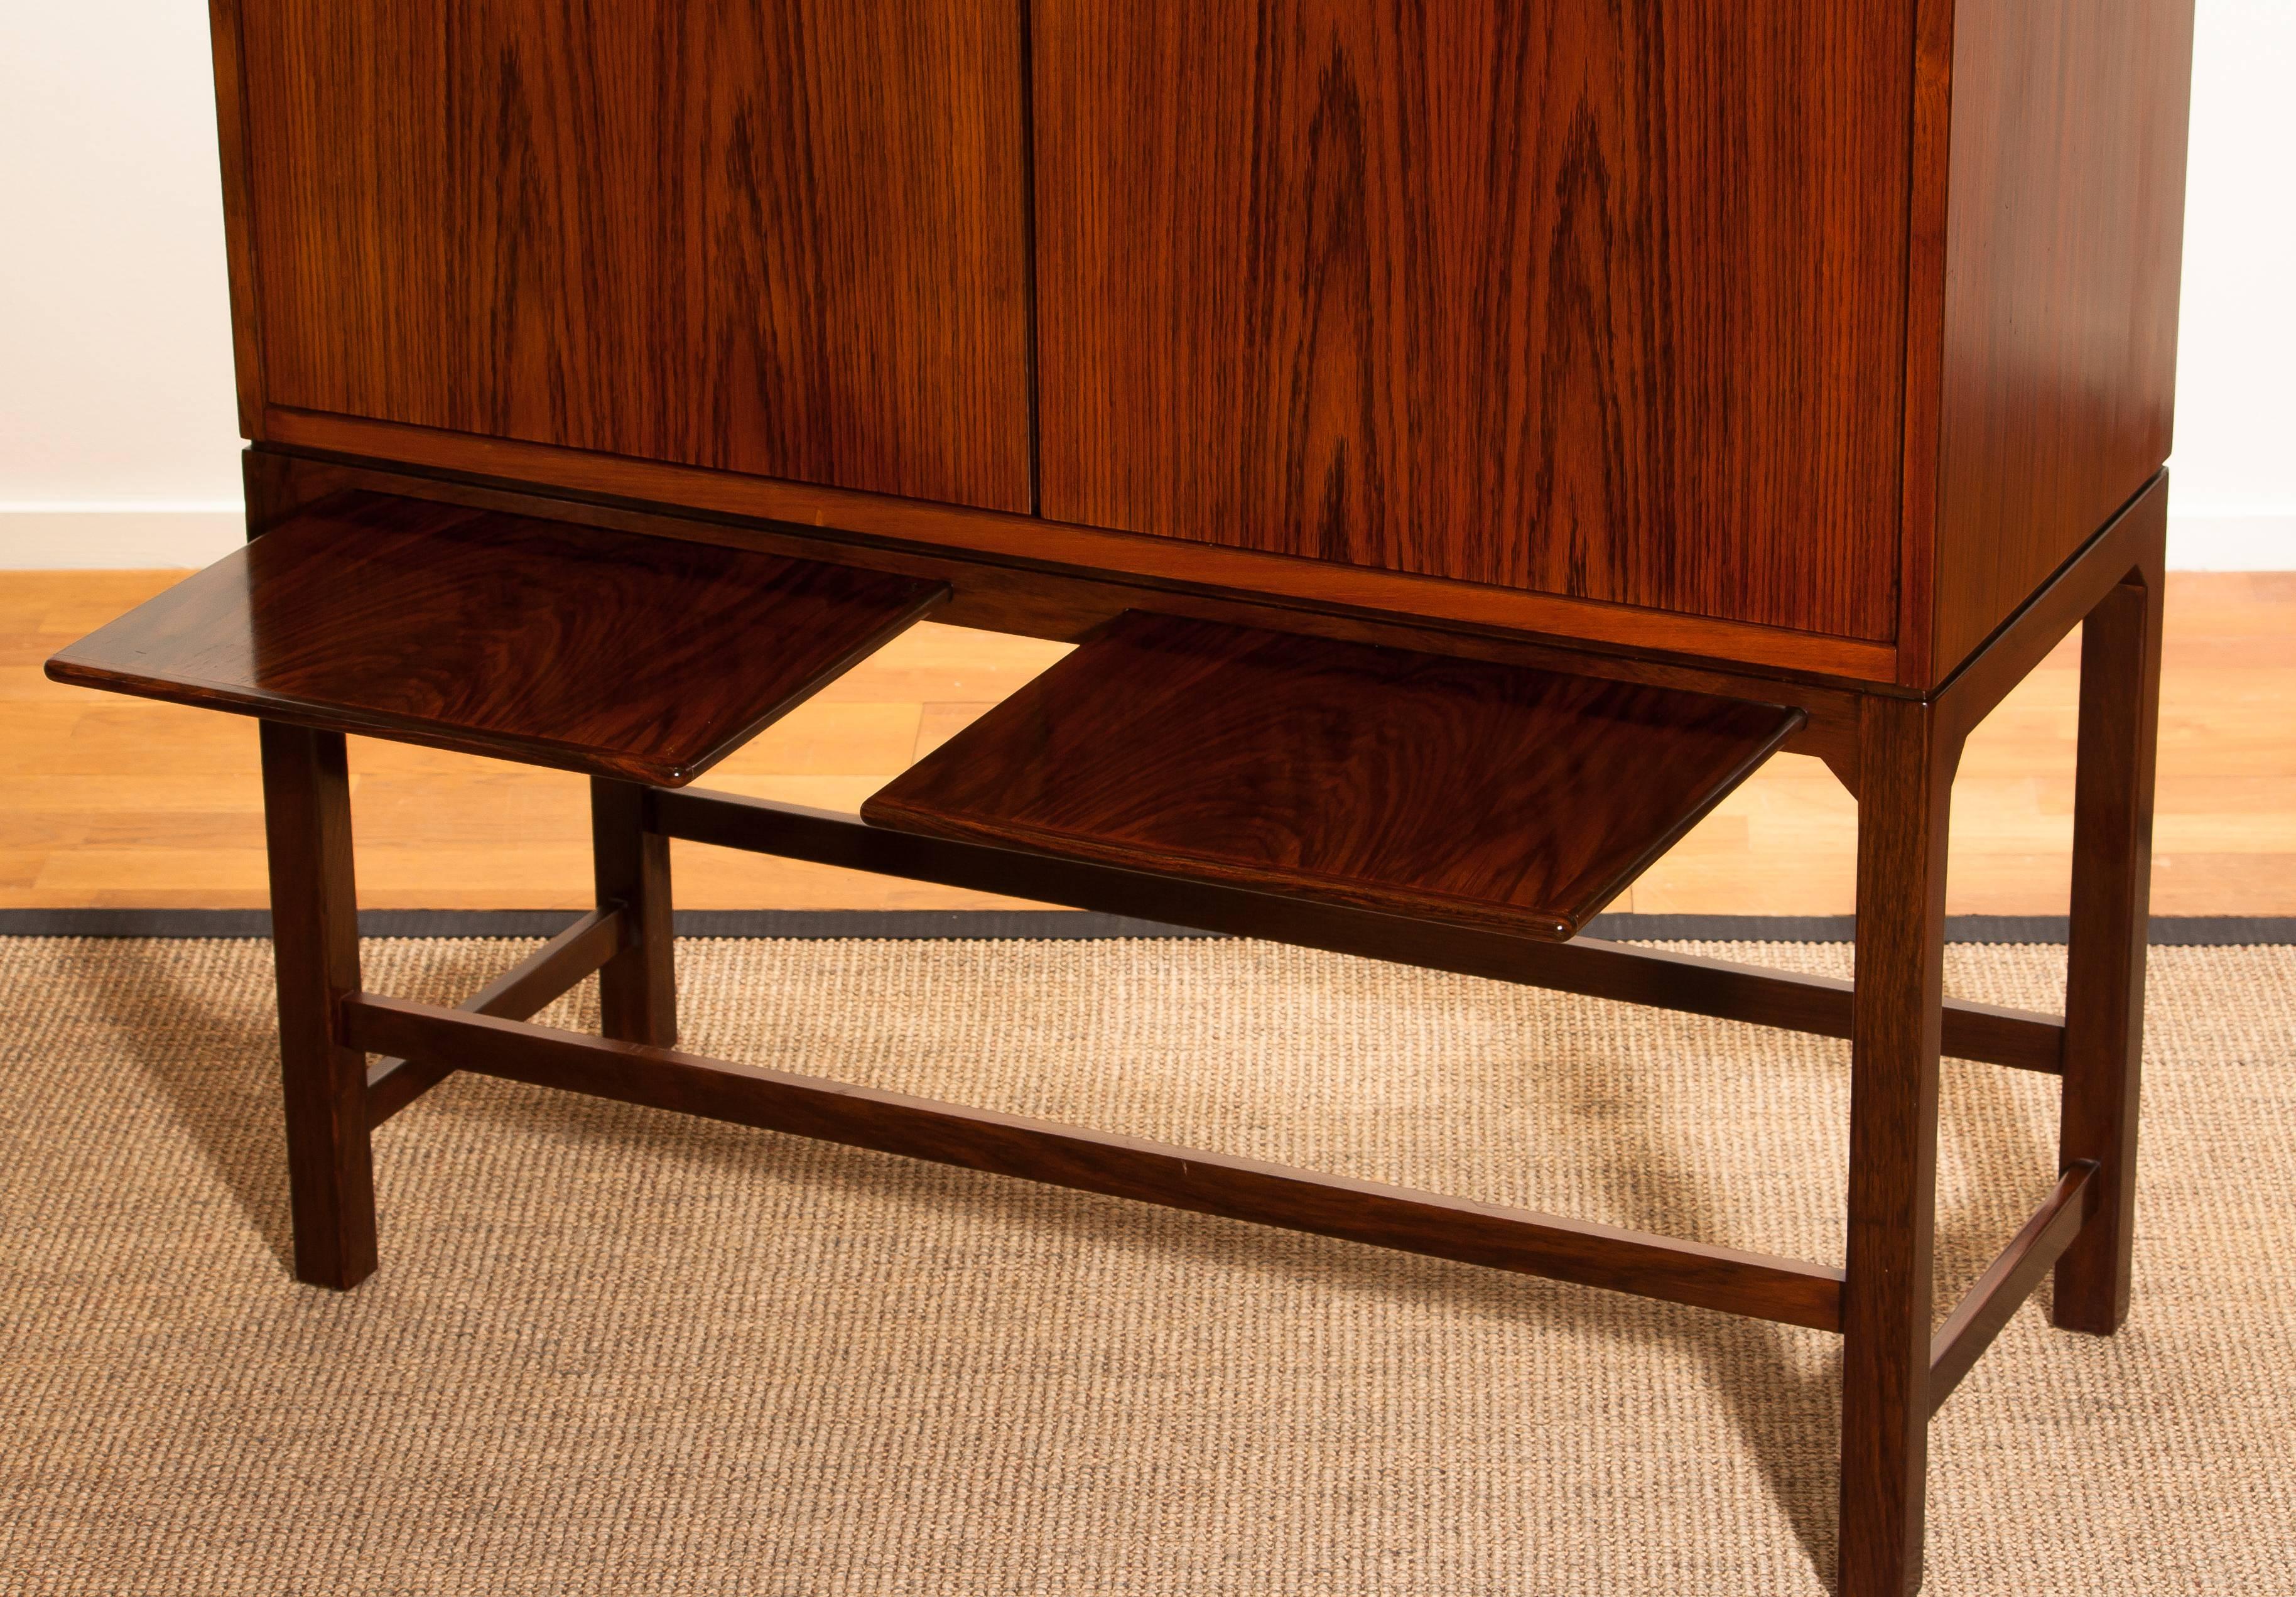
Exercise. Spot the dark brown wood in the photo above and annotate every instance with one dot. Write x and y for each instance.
(1787, 999)
(1902, 826)
(2104, 964)
(1520, 419)
(225, 43)
(1808, 342)
(1415, 785)
(1970, 1330)
(307, 813)
(1596, 299)
(1313, 586)
(533, 641)
(785, 239)
(1045, 598)
(275, 493)
(393, 1083)
(2057, 297)
(1210, 1183)
(1926, 247)
(525, 989)
(637, 988)
(2127, 543)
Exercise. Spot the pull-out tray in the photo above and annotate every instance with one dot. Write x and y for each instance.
(543, 641)
(1421, 785)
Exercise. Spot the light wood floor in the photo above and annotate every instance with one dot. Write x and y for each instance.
(111, 801)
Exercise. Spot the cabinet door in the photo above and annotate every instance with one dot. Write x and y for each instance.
(773, 236)
(1603, 298)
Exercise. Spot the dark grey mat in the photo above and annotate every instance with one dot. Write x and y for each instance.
(2186, 931)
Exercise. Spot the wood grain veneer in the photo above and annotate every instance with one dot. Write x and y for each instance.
(1590, 299)
(228, 49)
(787, 240)
(1809, 340)
(1672, 381)
(1440, 788)
(541, 641)
(1018, 549)
(2056, 305)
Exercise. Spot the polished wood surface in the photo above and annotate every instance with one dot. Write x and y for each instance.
(786, 239)
(1297, 709)
(224, 41)
(637, 988)
(1031, 560)
(1042, 594)
(1813, 343)
(1899, 978)
(115, 801)
(1441, 789)
(2105, 959)
(322, 1082)
(2063, 251)
(1594, 299)
(2134, 542)
(1071, 1156)
(1809, 342)
(539, 642)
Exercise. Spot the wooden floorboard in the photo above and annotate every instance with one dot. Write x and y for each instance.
(116, 802)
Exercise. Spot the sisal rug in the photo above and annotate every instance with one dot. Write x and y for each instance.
(615, 1351)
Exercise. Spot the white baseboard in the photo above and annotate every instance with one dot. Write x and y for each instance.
(47, 537)
(112, 537)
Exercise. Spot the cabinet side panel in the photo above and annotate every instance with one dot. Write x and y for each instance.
(2064, 254)
(786, 239)
(231, 145)
(1588, 298)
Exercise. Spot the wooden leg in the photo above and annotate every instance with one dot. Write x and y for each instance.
(637, 988)
(2104, 985)
(1907, 777)
(315, 938)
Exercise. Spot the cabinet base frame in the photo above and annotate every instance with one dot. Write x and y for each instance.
(1897, 753)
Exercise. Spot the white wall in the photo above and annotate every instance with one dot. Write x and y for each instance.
(117, 438)
(2233, 503)
(118, 433)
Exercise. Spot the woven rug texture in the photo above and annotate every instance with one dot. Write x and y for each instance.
(613, 1350)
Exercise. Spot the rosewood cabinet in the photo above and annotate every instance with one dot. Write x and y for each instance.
(1466, 439)
(787, 240)
(1800, 335)
(1751, 312)
(1581, 298)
